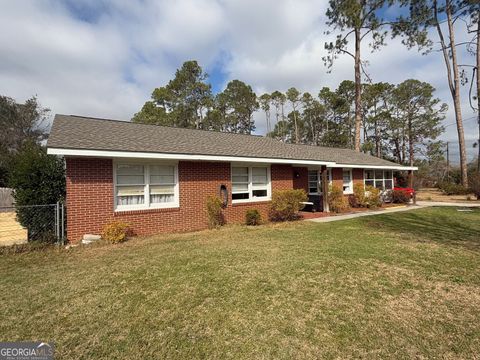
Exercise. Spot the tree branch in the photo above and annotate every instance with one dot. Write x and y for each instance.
(347, 52)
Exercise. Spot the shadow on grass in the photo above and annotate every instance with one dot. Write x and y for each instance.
(440, 225)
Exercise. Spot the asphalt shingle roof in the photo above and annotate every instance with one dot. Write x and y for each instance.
(75, 132)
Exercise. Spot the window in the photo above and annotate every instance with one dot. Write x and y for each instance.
(162, 184)
(315, 181)
(240, 183)
(140, 186)
(347, 181)
(130, 185)
(381, 179)
(250, 183)
(259, 182)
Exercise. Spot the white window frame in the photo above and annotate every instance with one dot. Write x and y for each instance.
(350, 185)
(375, 179)
(319, 178)
(251, 187)
(146, 191)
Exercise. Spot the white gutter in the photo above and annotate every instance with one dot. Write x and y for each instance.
(168, 156)
(397, 167)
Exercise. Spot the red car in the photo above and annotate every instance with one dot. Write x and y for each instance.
(408, 190)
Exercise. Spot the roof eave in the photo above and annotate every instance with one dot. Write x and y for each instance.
(177, 156)
(366, 166)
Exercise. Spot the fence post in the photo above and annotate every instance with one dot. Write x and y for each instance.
(63, 225)
(57, 220)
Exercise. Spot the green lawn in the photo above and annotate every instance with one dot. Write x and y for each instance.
(404, 285)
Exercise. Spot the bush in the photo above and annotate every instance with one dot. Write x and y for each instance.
(286, 204)
(353, 202)
(253, 217)
(400, 197)
(336, 200)
(372, 197)
(37, 179)
(359, 195)
(214, 212)
(450, 188)
(474, 182)
(115, 232)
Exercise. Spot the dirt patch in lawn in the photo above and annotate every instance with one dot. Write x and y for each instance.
(434, 194)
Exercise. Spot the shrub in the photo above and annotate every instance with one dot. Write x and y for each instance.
(359, 194)
(253, 217)
(372, 197)
(353, 202)
(474, 182)
(214, 212)
(37, 179)
(115, 232)
(400, 197)
(286, 204)
(450, 188)
(336, 200)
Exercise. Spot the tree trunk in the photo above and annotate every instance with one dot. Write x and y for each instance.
(454, 84)
(377, 136)
(296, 125)
(411, 152)
(267, 118)
(358, 91)
(478, 88)
(397, 151)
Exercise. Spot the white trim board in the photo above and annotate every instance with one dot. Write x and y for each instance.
(380, 167)
(169, 156)
(147, 155)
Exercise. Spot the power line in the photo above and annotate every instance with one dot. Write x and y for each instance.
(465, 120)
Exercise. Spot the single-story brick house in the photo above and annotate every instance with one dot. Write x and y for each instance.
(157, 178)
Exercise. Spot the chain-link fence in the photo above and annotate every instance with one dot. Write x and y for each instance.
(20, 224)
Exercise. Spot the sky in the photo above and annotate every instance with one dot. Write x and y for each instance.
(103, 58)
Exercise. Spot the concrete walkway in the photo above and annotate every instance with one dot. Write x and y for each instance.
(420, 205)
(369, 213)
(439, 203)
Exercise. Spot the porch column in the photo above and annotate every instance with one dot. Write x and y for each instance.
(410, 184)
(324, 175)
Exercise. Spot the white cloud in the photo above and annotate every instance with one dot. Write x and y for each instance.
(103, 58)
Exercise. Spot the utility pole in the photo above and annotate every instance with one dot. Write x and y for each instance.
(448, 164)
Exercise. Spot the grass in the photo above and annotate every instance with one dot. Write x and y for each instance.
(434, 194)
(404, 285)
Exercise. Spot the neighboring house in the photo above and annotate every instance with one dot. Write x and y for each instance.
(157, 178)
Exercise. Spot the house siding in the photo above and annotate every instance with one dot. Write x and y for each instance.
(90, 201)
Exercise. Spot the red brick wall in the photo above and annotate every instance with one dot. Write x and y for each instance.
(300, 182)
(337, 176)
(90, 203)
(357, 175)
